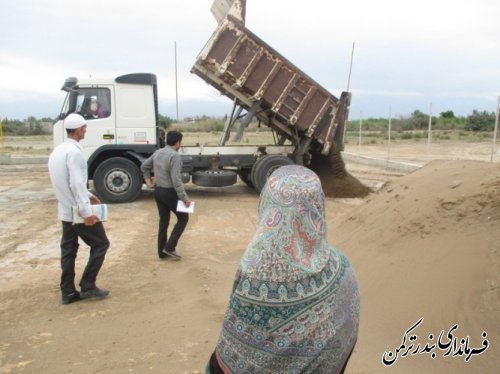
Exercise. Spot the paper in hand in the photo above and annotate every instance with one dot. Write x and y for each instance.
(181, 207)
(98, 210)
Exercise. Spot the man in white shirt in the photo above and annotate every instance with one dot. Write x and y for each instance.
(68, 174)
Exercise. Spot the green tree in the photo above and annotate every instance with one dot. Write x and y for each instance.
(480, 121)
(34, 126)
(165, 121)
(447, 114)
(418, 120)
(14, 127)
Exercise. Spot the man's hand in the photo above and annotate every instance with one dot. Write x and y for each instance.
(187, 203)
(90, 221)
(94, 200)
(150, 183)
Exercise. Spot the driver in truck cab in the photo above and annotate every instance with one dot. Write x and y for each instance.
(93, 109)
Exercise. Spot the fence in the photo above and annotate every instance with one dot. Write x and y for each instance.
(424, 145)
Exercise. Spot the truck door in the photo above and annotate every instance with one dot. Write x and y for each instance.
(95, 104)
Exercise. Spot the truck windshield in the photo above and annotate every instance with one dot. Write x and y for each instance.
(91, 103)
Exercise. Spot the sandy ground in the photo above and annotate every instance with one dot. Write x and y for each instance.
(425, 245)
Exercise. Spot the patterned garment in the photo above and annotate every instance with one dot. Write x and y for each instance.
(295, 302)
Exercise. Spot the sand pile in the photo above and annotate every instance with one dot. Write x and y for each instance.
(428, 246)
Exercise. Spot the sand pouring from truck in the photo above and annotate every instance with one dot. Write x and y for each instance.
(308, 122)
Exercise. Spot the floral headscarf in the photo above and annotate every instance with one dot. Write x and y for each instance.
(295, 303)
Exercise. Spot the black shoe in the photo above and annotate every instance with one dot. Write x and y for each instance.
(95, 292)
(173, 254)
(71, 298)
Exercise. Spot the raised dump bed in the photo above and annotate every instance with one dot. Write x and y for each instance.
(246, 69)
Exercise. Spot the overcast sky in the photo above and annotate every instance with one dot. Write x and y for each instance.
(407, 55)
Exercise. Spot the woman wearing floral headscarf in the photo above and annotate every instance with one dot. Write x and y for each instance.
(294, 307)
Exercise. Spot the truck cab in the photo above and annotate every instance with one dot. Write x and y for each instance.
(122, 117)
(118, 111)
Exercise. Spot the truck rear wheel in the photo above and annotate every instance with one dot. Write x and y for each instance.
(214, 178)
(118, 180)
(265, 166)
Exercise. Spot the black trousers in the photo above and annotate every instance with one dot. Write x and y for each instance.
(166, 201)
(95, 237)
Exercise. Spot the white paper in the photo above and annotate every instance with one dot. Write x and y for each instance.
(99, 210)
(181, 207)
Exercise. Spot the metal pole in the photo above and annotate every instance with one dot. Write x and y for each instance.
(1, 136)
(176, 90)
(495, 131)
(350, 68)
(429, 131)
(389, 136)
(360, 125)
(348, 85)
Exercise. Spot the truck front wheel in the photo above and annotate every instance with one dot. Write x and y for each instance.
(118, 180)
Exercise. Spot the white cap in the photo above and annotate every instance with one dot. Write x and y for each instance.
(74, 121)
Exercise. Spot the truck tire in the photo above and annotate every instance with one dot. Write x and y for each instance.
(265, 166)
(214, 178)
(118, 180)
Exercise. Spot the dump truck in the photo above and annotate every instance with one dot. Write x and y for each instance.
(123, 129)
